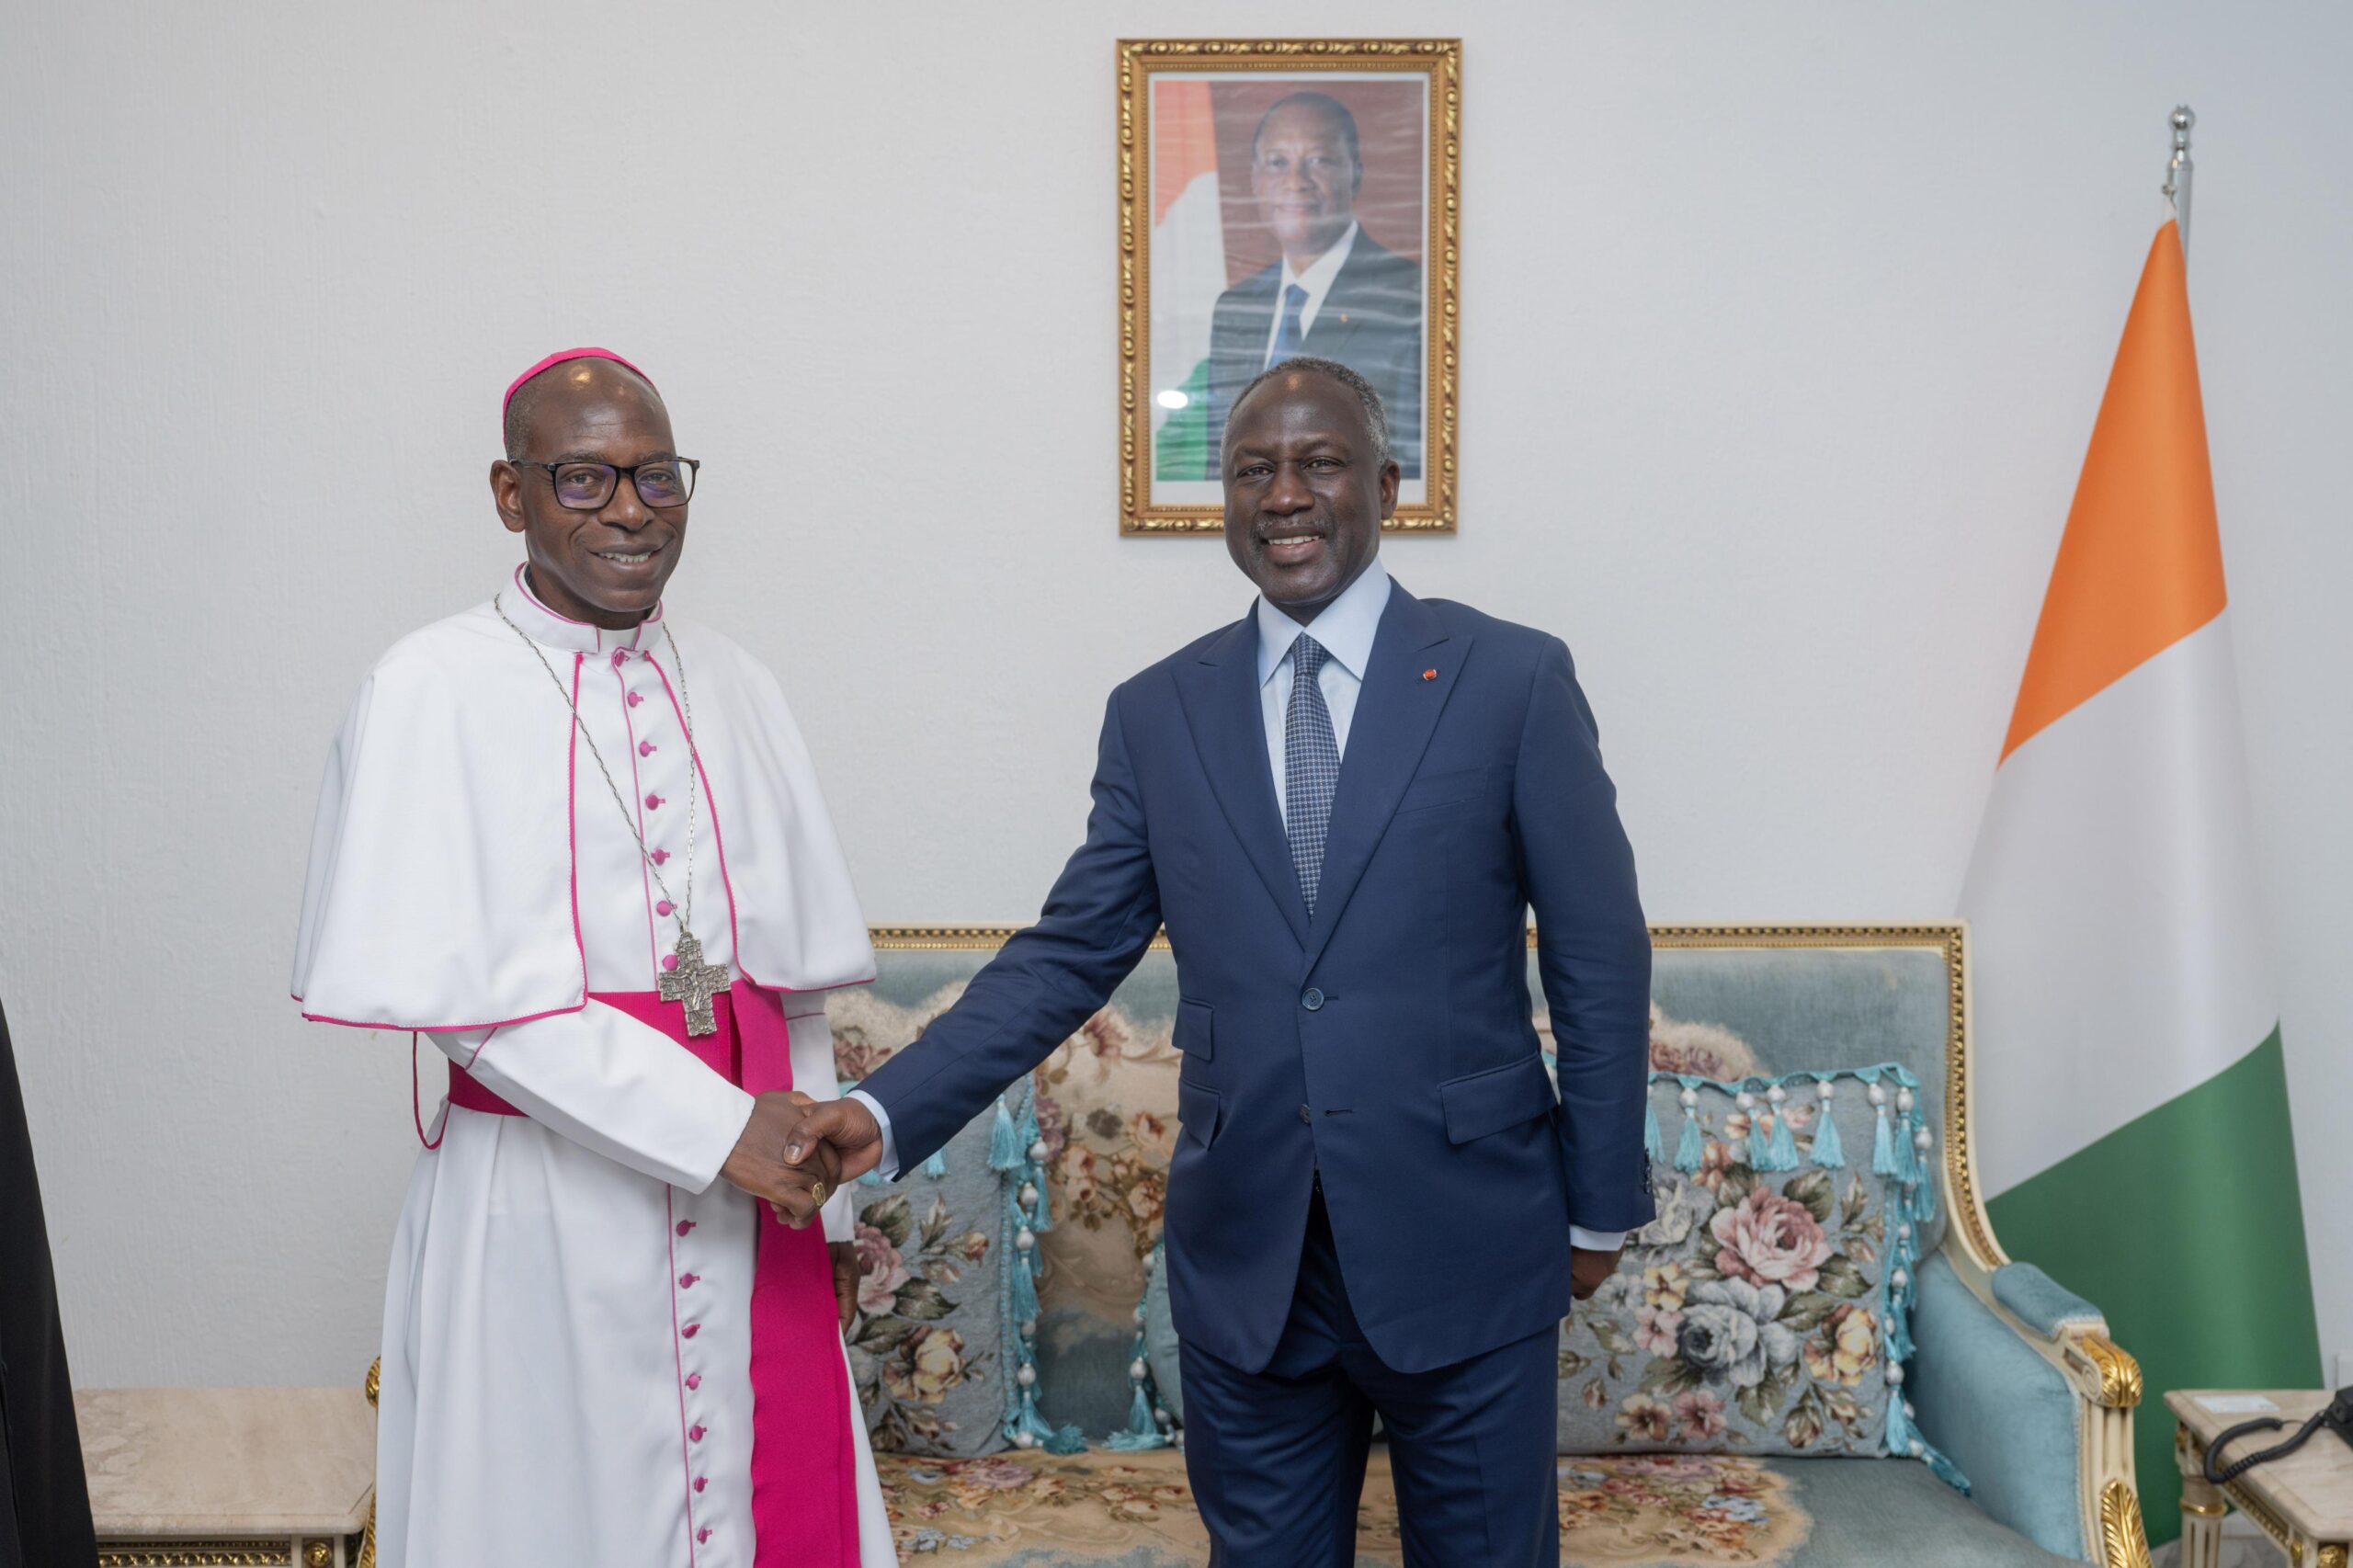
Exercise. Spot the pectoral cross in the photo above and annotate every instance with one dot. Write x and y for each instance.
(693, 983)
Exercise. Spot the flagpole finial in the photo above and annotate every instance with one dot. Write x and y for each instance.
(2178, 170)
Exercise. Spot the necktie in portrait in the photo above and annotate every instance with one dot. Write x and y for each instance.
(1290, 336)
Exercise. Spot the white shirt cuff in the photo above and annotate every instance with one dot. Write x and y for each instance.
(889, 1168)
(1583, 1239)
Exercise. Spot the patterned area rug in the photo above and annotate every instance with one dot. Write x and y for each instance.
(1135, 1510)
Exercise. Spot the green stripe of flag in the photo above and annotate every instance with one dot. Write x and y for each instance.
(2186, 1228)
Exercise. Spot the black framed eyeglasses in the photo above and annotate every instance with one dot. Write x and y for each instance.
(587, 486)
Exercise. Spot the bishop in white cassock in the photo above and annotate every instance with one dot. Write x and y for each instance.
(599, 1346)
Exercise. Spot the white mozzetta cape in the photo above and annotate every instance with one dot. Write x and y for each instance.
(442, 892)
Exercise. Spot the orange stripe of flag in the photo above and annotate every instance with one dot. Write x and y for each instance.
(2141, 565)
(1184, 141)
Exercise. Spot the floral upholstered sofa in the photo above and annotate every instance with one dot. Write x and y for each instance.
(1818, 1355)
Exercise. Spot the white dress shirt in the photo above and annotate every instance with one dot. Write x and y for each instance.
(1345, 628)
(1316, 280)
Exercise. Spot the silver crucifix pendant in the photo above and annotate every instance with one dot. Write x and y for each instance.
(693, 983)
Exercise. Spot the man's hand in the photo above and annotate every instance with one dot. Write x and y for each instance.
(758, 1165)
(842, 1130)
(1587, 1270)
(844, 1256)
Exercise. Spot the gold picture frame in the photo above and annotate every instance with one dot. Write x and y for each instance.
(1158, 494)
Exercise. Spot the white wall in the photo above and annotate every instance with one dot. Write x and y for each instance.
(1784, 326)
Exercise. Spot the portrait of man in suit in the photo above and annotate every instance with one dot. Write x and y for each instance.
(1334, 292)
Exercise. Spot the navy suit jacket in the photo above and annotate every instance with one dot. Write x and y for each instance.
(1371, 321)
(1389, 1040)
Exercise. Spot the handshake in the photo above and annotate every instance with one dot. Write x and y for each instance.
(795, 1152)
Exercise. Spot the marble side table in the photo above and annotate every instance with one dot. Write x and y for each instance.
(228, 1478)
(2303, 1501)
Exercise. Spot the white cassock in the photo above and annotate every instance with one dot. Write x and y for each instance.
(566, 1324)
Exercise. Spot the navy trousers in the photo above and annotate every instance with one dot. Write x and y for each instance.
(1277, 1458)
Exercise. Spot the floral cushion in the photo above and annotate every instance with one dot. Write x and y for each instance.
(927, 1350)
(1106, 1112)
(1766, 1311)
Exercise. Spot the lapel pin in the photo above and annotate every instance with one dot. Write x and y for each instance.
(1429, 674)
(1344, 318)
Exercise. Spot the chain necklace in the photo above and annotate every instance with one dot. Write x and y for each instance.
(687, 979)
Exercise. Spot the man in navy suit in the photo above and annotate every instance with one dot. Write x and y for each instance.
(1333, 293)
(1343, 807)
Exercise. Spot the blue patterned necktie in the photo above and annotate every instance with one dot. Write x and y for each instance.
(1310, 766)
(1290, 338)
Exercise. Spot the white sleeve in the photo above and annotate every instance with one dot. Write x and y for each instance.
(1595, 1241)
(888, 1166)
(613, 1086)
(813, 1074)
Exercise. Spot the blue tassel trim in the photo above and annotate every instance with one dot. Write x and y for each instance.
(1899, 1337)
(1145, 1428)
(1901, 1437)
(1011, 1138)
(1760, 1146)
(1006, 1151)
(1883, 1148)
(1653, 1146)
(1782, 1150)
(1945, 1469)
(936, 1167)
(1021, 1292)
(1828, 1153)
(1687, 1148)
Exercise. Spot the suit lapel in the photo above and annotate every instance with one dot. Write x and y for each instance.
(1342, 312)
(1223, 710)
(1397, 710)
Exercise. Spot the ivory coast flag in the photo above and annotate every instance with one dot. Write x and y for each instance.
(1188, 275)
(2134, 1133)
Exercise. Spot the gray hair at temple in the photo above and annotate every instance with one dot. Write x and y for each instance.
(1376, 418)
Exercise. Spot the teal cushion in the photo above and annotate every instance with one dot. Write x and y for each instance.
(2006, 1416)
(1866, 1515)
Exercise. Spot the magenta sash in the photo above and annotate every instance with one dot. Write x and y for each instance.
(804, 1466)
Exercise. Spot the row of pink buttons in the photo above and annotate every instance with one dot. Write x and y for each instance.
(696, 1433)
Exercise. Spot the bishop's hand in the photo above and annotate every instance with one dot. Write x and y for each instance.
(843, 1130)
(758, 1165)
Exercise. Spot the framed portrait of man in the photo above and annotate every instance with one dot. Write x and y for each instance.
(1280, 198)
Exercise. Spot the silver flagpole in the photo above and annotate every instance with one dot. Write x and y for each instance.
(2178, 171)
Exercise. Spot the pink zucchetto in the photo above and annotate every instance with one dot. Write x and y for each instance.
(552, 360)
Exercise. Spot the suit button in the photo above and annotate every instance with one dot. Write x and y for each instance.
(1306, 1115)
(1313, 1000)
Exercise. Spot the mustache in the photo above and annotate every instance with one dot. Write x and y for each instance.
(1318, 521)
